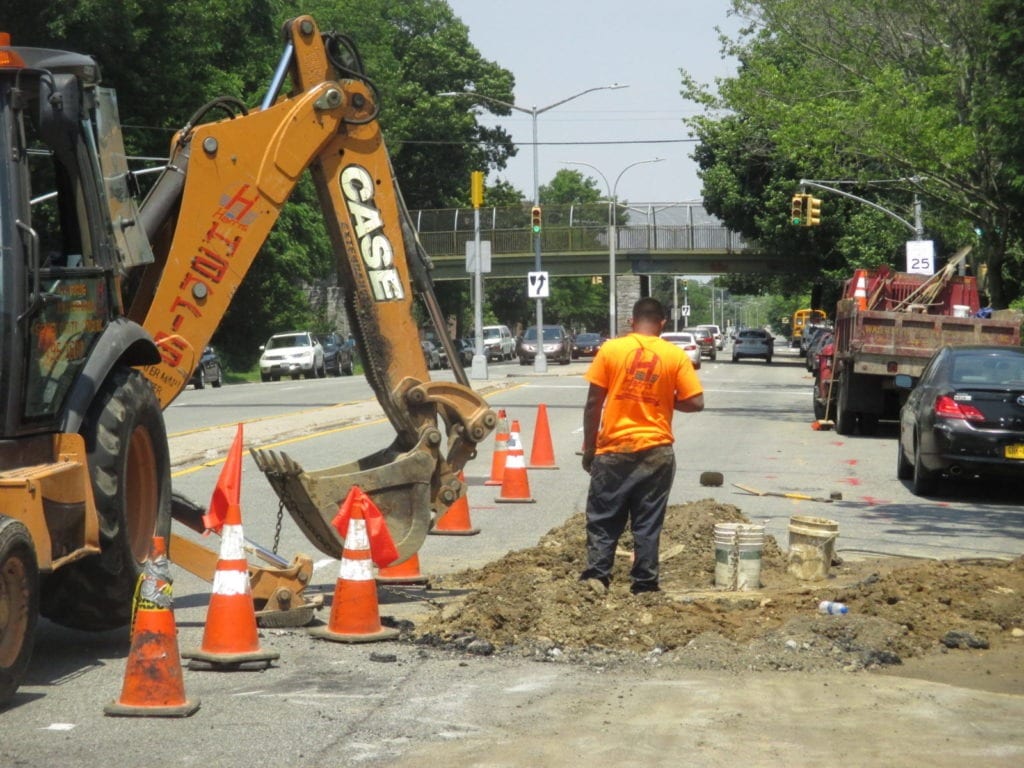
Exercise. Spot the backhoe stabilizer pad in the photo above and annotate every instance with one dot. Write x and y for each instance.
(400, 488)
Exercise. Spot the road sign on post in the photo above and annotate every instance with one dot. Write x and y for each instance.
(485, 250)
(921, 257)
(537, 285)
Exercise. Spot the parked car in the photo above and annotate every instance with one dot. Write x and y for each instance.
(706, 339)
(753, 342)
(586, 344)
(964, 417)
(821, 340)
(431, 354)
(466, 349)
(687, 342)
(499, 343)
(209, 370)
(338, 355)
(556, 342)
(807, 338)
(717, 332)
(295, 354)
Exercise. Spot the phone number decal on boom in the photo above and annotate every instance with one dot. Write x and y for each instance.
(374, 247)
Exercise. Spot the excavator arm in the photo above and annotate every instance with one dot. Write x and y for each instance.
(211, 211)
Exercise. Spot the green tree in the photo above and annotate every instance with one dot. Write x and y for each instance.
(865, 90)
(168, 59)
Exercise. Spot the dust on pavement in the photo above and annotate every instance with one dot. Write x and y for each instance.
(531, 602)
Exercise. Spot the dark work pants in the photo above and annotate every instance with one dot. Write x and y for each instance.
(631, 487)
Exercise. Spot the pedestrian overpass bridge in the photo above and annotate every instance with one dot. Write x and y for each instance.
(649, 239)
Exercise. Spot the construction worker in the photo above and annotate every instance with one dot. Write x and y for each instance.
(636, 381)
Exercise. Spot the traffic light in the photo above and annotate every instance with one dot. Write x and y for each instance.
(535, 219)
(798, 209)
(813, 212)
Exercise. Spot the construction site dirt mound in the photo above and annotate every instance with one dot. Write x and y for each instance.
(532, 602)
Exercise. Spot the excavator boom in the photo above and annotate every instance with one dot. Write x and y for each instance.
(210, 213)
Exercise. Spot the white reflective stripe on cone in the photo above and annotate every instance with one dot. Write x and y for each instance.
(232, 543)
(231, 583)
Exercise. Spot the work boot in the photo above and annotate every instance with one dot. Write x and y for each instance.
(640, 587)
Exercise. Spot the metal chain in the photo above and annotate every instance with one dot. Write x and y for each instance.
(277, 529)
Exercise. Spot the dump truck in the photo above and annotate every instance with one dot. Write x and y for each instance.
(888, 323)
(107, 302)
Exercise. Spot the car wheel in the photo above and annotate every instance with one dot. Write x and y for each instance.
(264, 377)
(220, 378)
(275, 378)
(348, 369)
(735, 358)
(201, 379)
(904, 469)
(923, 482)
(768, 360)
(714, 356)
(819, 407)
(523, 361)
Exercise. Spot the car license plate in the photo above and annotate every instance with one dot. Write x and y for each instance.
(1015, 451)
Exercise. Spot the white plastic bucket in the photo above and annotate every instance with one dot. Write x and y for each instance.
(812, 542)
(961, 310)
(738, 548)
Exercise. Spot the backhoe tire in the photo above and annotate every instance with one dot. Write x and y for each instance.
(19, 604)
(129, 461)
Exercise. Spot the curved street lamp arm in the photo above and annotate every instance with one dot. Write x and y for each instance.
(612, 87)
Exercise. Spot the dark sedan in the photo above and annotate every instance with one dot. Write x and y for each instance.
(964, 417)
(209, 370)
(586, 344)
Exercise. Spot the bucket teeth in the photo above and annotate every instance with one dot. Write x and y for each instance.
(398, 484)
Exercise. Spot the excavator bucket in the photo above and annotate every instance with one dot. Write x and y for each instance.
(400, 486)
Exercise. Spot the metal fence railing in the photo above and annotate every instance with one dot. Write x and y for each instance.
(649, 227)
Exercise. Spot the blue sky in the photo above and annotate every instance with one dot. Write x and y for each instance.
(556, 48)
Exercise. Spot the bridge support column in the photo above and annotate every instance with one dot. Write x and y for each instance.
(629, 291)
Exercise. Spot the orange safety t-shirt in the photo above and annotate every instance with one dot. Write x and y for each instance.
(644, 376)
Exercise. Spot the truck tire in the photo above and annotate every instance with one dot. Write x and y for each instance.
(129, 461)
(19, 604)
(846, 420)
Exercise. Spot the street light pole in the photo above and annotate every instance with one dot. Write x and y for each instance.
(613, 236)
(540, 362)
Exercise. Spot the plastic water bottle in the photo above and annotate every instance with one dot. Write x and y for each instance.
(827, 606)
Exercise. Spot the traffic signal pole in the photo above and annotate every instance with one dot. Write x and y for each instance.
(917, 227)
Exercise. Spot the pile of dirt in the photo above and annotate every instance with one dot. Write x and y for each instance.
(532, 602)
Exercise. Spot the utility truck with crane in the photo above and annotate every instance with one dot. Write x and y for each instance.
(106, 305)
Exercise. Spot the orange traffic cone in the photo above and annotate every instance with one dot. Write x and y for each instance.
(406, 572)
(153, 684)
(860, 289)
(542, 453)
(455, 522)
(500, 450)
(355, 616)
(230, 639)
(515, 486)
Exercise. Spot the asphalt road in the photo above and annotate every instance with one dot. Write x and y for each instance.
(395, 705)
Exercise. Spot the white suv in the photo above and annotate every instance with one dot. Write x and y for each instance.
(294, 354)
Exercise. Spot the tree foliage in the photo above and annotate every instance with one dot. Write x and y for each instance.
(893, 98)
